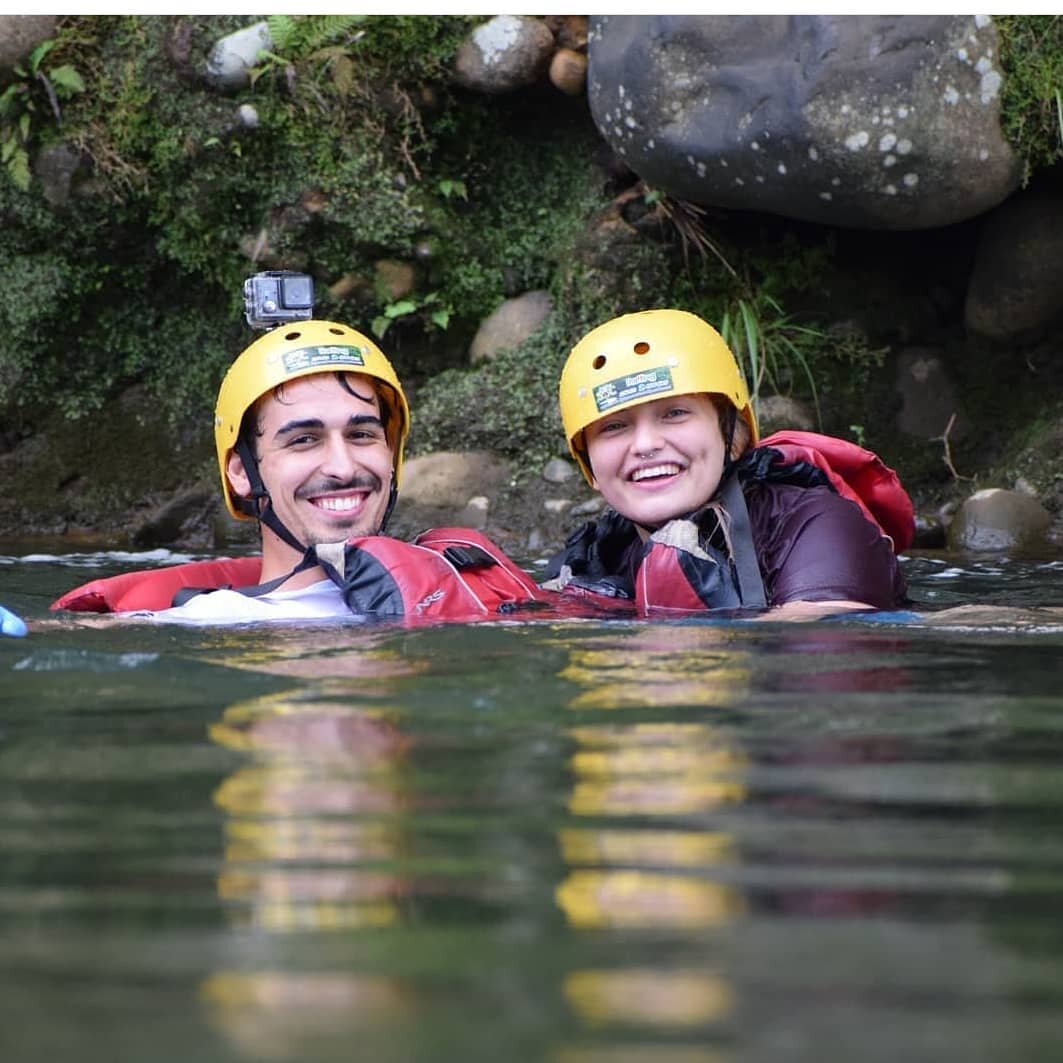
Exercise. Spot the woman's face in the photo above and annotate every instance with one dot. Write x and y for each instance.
(659, 460)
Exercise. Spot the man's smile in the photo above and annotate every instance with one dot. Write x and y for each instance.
(339, 503)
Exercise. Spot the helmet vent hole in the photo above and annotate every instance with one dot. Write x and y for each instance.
(292, 335)
(642, 347)
(599, 362)
(336, 331)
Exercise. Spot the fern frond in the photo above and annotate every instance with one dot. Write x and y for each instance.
(283, 31)
(319, 30)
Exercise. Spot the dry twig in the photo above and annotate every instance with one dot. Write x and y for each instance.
(944, 440)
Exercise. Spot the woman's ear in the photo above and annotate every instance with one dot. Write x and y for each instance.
(239, 481)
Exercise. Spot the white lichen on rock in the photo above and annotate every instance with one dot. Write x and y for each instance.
(496, 37)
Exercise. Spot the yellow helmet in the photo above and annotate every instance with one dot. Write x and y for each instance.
(640, 357)
(292, 351)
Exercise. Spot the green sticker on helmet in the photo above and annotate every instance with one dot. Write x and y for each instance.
(321, 358)
(634, 386)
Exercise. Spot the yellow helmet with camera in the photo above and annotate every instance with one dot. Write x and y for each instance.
(640, 357)
(295, 350)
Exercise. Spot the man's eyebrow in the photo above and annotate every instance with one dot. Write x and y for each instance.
(299, 426)
(313, 423)
(364, 418)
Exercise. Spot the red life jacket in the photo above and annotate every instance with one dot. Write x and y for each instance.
(678, 572)
(856, 474)
(445, 574)
(155, 588)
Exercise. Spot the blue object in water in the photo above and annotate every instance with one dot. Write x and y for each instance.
(881, 616)
(11, 624)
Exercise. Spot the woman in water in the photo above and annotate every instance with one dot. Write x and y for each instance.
(658, 417)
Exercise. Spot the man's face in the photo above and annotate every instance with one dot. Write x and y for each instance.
(324, 459)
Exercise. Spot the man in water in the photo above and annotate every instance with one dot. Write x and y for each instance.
(310, 427)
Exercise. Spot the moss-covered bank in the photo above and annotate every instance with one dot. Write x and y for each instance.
(125, 271)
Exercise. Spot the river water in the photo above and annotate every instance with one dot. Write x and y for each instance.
(576, 842)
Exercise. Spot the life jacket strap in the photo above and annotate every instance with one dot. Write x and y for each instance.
(743, 552)
(186, 594)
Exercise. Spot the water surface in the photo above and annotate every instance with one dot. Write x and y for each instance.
(578, 841)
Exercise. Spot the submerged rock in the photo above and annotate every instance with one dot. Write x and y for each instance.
(996, 519)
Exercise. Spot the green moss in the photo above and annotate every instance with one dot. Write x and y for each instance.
(175, 192)
(508, 406)
(1031, 54)
(363, 150)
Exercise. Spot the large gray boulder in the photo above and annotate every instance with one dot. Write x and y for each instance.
(880, 122)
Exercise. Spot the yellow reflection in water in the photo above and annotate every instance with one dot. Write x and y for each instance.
(336, 652)
(654, 769)
(628, 898)
(622, 878)
(661, 665)
(638, 1053)
(313, 820)
(638, 996)
(281, 1015)
(653, 848)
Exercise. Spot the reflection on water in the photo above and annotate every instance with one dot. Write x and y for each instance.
(298, 852)
(665, 665)
(571, 842)
(636, 996)
(273, 1014)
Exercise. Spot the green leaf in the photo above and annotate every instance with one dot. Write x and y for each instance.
(403, 306)
(38, 54)
(67, 79)
(380, 326)
(7, 98)
(441, 318)
(18, 167)
(450, 187)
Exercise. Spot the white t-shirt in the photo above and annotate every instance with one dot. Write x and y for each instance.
(319, 601)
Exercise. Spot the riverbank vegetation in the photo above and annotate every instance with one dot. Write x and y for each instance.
(147, 196)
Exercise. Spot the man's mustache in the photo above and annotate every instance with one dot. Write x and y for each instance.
(362, 482)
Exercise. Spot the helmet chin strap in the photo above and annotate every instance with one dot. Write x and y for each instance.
(393, 497)
(260, 505)
(728, 441)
